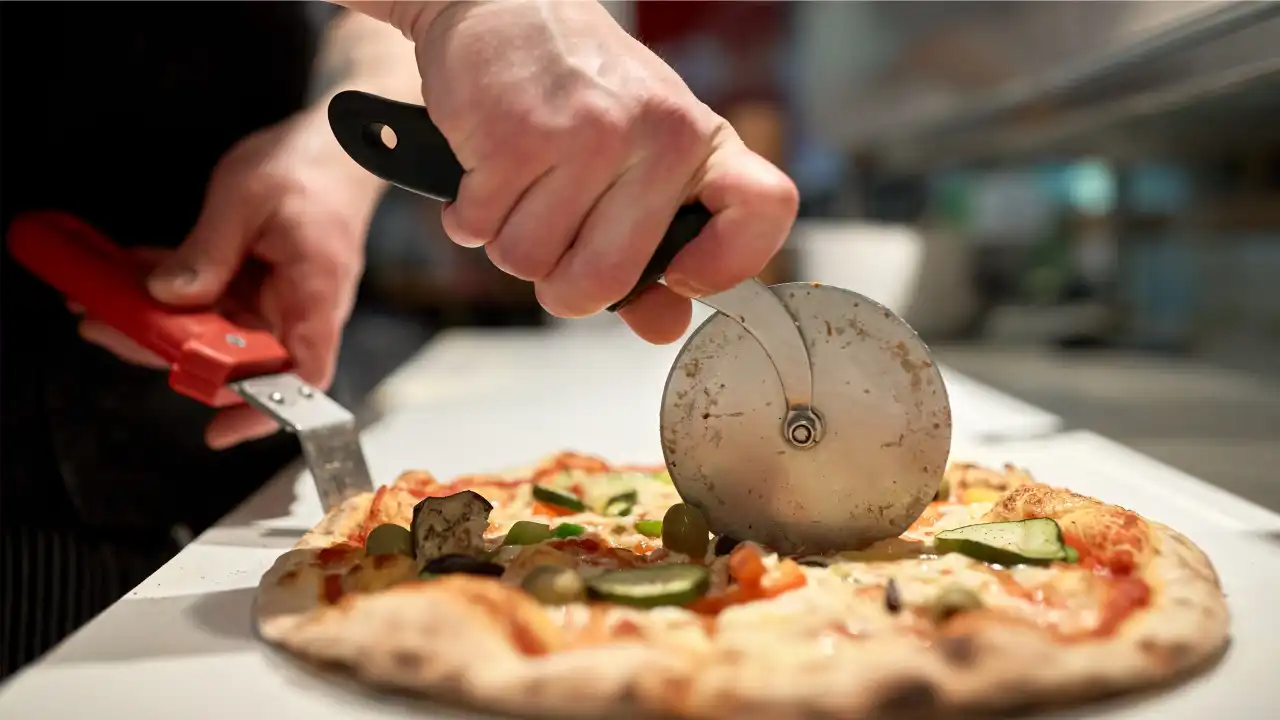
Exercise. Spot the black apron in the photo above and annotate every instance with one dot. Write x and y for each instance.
(117, 112)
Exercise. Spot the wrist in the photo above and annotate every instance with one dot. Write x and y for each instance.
(410, 17)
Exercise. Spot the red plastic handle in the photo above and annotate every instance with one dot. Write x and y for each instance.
(206, 350)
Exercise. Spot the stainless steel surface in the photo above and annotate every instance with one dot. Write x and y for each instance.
(886, 424)
(757, 310)
(325, 429)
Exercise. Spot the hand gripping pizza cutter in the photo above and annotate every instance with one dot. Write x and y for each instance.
(805, 417)
(213, 360)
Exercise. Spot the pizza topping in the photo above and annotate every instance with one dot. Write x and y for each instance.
(649, 528)
(892, 597)
(568, 530)
(389, 539)
(464, 564)
(558, 499)
(952, 601)
(944, 490)
(753, 578)
(527, 532)
(554, 585)
(725, 544)
(684, 530)
(454, 524)
(652, 586)
(1035, 541)
(620, 505)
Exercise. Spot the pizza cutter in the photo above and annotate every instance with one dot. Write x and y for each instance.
(213, 360)
(805, 417)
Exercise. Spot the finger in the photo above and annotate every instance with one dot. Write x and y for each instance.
(198, 272)
(239, 424)
(658, 315)
(151, 257)
(616, 241)
(310, 296)
(486, 197)
(754, 206)
(546, 220)
(118, 344)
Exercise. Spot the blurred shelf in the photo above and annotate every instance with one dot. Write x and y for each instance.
(1107, 78)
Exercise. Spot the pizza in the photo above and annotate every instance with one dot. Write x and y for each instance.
(577, 588)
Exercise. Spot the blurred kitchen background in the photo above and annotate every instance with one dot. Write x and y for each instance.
(1075, 202)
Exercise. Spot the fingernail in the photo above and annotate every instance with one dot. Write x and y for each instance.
(686, 287)
(172, 278)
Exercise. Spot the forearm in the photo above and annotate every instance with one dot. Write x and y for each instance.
(409, 17)
(359, 52)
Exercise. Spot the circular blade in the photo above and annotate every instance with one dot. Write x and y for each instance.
(885, 415)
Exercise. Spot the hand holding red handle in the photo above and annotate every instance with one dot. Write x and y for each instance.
(206, 350)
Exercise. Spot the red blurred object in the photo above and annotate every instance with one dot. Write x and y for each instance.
(206, 350)
(748, 32)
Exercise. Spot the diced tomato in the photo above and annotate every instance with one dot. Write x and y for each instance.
(332, 588)
(335, 554)
(746, 565)
(787, 577)
(752, 581)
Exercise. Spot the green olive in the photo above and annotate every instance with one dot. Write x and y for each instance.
(389, 539)
(554, 585)
(684, 530)
(944, 490)
(954, 600)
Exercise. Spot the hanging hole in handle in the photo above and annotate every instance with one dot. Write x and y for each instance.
(380, 135)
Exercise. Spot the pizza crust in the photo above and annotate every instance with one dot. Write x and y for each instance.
(489, 644)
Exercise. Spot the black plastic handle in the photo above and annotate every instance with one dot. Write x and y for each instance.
(423, 162)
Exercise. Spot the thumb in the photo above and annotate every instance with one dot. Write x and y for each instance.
(200, 270)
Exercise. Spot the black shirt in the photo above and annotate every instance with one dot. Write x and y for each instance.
(117, 112)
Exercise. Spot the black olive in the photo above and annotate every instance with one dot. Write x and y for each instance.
(465, 564)
(726, 544)
(892, 597)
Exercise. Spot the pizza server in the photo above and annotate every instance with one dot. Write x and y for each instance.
(213, 360)
(804, 417)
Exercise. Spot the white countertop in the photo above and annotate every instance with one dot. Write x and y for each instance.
(601, 354)
(181, 645)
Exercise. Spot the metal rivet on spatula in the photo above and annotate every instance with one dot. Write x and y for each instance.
(235, 340)
(276, 397)
(304, 391)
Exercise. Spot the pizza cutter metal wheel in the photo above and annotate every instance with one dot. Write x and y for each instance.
(805, 417)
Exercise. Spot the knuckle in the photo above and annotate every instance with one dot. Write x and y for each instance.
(465, 224)
(781, 195)
(676, 124)
(521, 255)
(599, 126)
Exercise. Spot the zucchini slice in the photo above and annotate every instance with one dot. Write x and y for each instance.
(620, 505)
(652, 586)
(1036, 541)
(542, 493)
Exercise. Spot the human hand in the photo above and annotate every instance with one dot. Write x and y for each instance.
(288, 200)
(580, 145)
